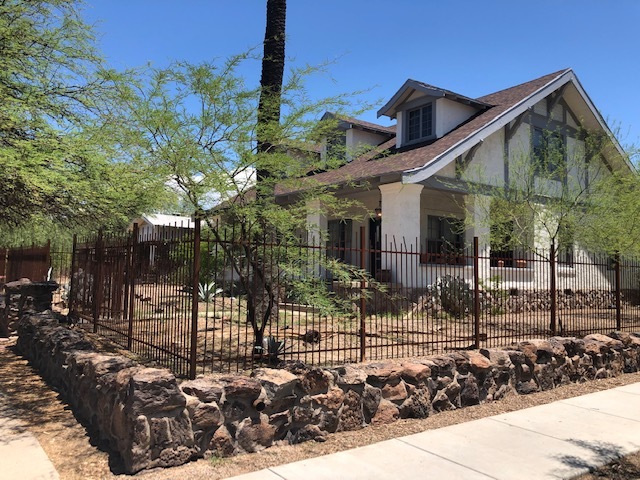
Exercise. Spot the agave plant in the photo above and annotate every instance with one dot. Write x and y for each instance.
(206, 291)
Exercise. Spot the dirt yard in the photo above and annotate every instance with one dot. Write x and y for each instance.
(78, 456)
(225, 338)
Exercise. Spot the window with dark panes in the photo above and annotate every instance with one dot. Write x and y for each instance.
(445, 241)
(420, 123)
(339, 243)
(548, 152)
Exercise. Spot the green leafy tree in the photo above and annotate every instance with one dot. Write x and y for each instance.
(556, 198)
(198, 124)
(550, 193)
(612, 223)
(55, 96)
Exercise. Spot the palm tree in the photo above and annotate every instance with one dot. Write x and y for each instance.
(272, 76)
(263, 302)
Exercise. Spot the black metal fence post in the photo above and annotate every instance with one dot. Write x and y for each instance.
(618, 294)
(130, 288)
(97, 280)
(552, 287)
(48, 261)
(71, 299)
(6, 266)
(363, 301)
(476, 293)
(193, 351)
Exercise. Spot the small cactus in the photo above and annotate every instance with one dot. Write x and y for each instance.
(207, 291)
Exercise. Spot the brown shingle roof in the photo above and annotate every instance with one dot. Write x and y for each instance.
(389, 109)
(369, 126)
(372, 165)
(388, 130)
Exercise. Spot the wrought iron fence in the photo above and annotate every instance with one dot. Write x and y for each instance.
(138, 290)
(192, 302)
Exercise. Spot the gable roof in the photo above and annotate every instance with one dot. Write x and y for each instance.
(349, 122)
(420, 162)
(509, 104)
(411, 86)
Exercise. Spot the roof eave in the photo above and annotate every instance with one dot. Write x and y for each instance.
(397, 98)
(389, 109)
(601, 121)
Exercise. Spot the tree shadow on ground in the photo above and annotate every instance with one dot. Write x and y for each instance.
(30, 403)
(604, 457)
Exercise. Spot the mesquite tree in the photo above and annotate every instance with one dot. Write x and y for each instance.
(201, 125)
(55, 93)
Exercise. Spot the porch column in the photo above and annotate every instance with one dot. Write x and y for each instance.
(478, 226)
(401, 230)
(316, 231)
(316, 222)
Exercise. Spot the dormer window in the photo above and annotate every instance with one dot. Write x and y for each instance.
(420, 123)
(416, 106)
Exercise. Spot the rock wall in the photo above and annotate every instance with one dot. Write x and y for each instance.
(532, 301)
(153, 421)
(140, 411)
(499, 301)
(21, 296)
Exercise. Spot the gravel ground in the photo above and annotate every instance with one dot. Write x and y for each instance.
(627, 468)
(77, 455)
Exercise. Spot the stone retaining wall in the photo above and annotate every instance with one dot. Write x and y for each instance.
(21, 296)
(152, 420)
(518, 301)
(457, 298)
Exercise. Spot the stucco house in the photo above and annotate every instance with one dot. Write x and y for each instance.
(411, 179)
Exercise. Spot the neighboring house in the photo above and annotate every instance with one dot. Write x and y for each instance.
(356, 135)
(157, 229)
(411, 176)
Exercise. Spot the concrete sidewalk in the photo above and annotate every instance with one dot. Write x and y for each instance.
(558, 440)
(21, 456)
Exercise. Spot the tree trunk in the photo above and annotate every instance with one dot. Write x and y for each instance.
(272, 77)
(273, 59)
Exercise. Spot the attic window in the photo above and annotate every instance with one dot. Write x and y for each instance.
(549, 153)
(419, 123)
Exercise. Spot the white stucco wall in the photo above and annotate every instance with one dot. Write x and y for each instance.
(576, 163)
(557, 113)
(316, 222)
(519, 151)
(401, 211)
(359, 140)
(450, 114)
(399, 130)
(487, 165)
(401, 228)
(541, 107)
(448, 171)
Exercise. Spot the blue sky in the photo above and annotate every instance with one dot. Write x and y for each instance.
(472, 47)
